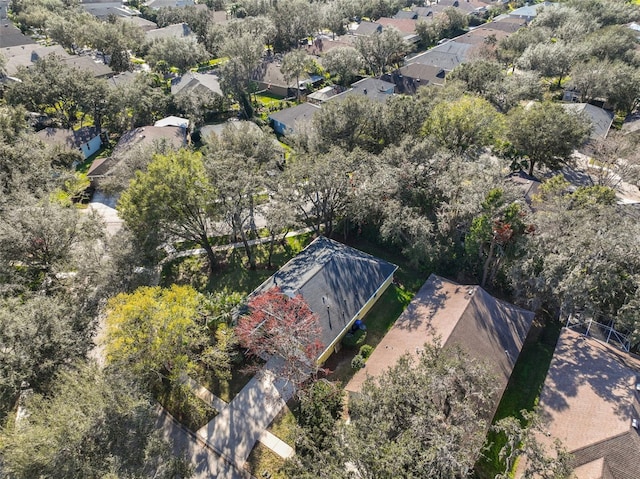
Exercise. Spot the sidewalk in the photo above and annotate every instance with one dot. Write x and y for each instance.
(235, 430)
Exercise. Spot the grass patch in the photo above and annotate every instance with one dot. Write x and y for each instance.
(379, 320)
(263, 460)
(227, 389)
(185, 406)
(284, 424)
(103, 152)
(235, 276)
(522, 392)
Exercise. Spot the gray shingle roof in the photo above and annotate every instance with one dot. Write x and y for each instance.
(178, 30)
(298, 113)
(448, 55)
(600, 119)
(335, 280)
(198, 82)
(373, 88)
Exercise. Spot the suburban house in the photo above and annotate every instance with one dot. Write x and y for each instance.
(103, 9)
(529, 12)
(406, 27)
(406, 14)
(528, 185)
(486, 328)
(86, 63)
(10, 35)
(285, 122)
(134, 140)
(173, 121)
(178, 30)
(601, 120)
(373, 88)
(198, 83)
(365, 29)
(158, 4)
(409, 78)
(269, 76)
(340, 285)
(143, 23)
(27, 55)
(590, 402)
(447, 55)
(87, 139)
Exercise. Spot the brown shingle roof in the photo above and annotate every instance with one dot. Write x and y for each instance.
(588, 401)
(486, 328)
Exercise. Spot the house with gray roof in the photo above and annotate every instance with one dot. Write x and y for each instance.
(285, 122)
(86, 63)
(87, 139)
(340, 285)
(590, 402)
(601, 120)
(466, 316)
(197, 83)
(158, 4)
(529, 12)
(103, 9)
(409, 78)
(27, 55)
(447, 55)
(178, 30)
(372, 88)
(365, 29)
(10, 35)
(143, 23)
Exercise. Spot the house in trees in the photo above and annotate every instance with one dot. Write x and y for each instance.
(486, 328)
(365, 29)
(590, 401)
(529, 12)
(285, 122)
(143, 23)
(268, 76)
(27, 55)
(199, 84)
(406, 27)
(136, 140)
(11, 35)
(373, 88)
(103, 9)
(409, 78)
(600, 119)
(158, 4)
(447, 55)
(178, 30)
(88, 139)
(87, 63)
(340, 285)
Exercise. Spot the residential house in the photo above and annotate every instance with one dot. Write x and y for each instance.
(373, 88)
(207, 130)
(87, 139)
(121, 79)
(590, 402)
(143, 23)
(406, 14)
(269, 76)
(447, 55)
(528, 185)
(158, 4)
(133, 140)
(601, 120)
(507, 24)
(103, 9)
(87, 63)
(198, 83)
(10, 35)
(469, 7)
(178, 30)
(365, 29)
(529, 12)
(415, 75)
(27, 55)
(286, 122)
(486, 328)
(406, 27)
(340, 285)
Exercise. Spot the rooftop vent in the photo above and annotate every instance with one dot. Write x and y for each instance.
(635, 423)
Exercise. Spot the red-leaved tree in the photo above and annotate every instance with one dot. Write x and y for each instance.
(278, 325)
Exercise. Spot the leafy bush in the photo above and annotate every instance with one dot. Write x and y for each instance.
(365, 351)
(355, 339)
(357, 362)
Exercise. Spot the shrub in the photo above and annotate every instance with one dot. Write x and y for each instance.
(355, 339)
(357, 362)
(365, 351)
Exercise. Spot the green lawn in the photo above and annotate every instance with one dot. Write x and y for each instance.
(226, 389)
(261, 460)
(522, 391)
(284, 424)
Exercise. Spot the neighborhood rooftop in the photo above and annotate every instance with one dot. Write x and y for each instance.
(336, 281)
(589, 401)
(488, 329)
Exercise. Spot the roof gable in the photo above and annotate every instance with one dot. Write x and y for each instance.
(486, 328)
(334, 279)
